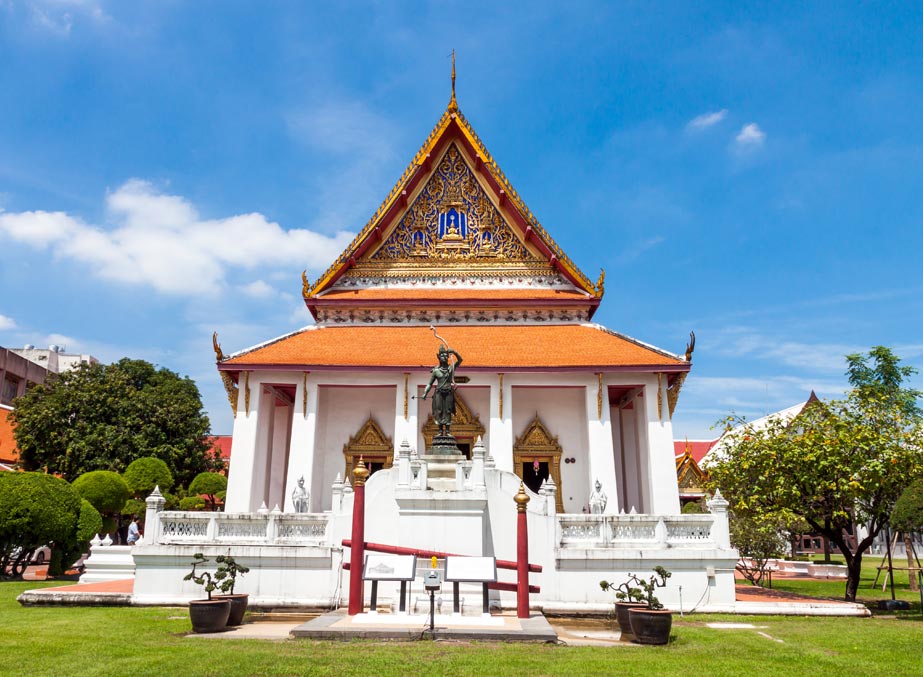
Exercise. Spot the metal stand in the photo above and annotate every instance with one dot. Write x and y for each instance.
(432, 612)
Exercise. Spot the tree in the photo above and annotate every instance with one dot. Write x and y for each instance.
(143, 474)
(837, 463)
(35, 510)
(907, 515)
(105, 490)
(758, 538)
(102, 417)
(209, 485)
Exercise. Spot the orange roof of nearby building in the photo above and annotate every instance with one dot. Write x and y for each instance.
(223, 445)
(577, 346)
(9, 453)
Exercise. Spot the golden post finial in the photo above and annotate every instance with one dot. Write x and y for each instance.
(360, 473)
(521, 498)
(453, 104)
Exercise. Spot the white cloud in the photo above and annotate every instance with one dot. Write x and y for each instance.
(160, 240)
(637, 249)
(750, 136)
(259, 290)
(58, 16)
(7, 323)
(706, 120)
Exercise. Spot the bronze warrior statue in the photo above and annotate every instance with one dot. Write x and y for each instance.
(443, 376)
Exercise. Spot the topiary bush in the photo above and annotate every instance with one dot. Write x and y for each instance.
(35, 510)
(209, 485)
(192, 503)
(104, 489)
(143, 474)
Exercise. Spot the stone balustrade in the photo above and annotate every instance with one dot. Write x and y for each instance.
(635, 531)
(271, 528)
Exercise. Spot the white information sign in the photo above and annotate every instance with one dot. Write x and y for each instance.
(379, 567)
(471, 569)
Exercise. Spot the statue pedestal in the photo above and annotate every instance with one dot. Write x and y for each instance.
(441, 460)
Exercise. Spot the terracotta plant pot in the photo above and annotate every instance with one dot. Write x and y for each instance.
(209, 615)
(621, 616)
(651, 627)
(238, 607)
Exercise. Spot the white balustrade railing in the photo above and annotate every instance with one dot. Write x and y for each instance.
(635, 531)
(202, 528)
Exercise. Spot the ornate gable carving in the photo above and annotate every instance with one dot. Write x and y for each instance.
(452, 218)
(537, 444)
(690, 477)
(371, 444)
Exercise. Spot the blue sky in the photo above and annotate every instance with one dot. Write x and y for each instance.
(748, 171)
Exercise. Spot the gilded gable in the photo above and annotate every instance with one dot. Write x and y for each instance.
(452, 218)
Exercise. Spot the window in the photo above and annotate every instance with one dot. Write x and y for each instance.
(10, 387)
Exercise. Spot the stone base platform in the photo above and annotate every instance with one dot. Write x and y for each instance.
(501, 628)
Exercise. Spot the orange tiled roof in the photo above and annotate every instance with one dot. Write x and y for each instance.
(9, 453)
(430, 293)
(487, 347)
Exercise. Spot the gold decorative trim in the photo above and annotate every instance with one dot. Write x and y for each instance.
(466, 426)
(371, 444)
(247, 392)
(501, 397)
(659, 396)
(304, 395)
(305, 285)
(406, 395)
(537, 444)
(600, 283)
(673, 391)
(229, 386)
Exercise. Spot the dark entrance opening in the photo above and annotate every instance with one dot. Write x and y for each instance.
(533, 478)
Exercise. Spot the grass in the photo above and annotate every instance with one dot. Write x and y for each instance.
(866, 594)
(152, 641)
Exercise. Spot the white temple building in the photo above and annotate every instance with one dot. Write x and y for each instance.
(544, 397)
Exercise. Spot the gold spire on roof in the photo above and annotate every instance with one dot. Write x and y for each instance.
(453, 104)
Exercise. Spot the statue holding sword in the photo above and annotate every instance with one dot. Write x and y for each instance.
(443, 378)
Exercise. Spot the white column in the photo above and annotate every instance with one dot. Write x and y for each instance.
(661, 463)
(302, 443)
(500, 440)
(599, 439)
(265, 424)
(245, 456)
(281, 434)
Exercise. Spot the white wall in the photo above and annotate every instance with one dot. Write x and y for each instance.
(563, 412)
(342, 411)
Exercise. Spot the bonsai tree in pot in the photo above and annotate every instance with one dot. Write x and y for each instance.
(226, 577)
(650, 622)
(627, 597)
(207, 615)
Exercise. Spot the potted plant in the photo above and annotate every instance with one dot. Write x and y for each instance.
(650, 622)
(207, 615)
(627, 597)
(226, 576)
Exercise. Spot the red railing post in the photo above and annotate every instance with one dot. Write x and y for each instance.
(357, 547)
(522, 553)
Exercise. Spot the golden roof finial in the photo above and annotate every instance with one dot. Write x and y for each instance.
(453, 104)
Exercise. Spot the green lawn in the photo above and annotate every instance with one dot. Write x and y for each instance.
(151, 641)
(868, 595)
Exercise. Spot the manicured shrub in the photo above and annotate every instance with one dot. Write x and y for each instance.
(143, 474)
(104, 489)
(209, 485)
(35, 509)
(192, 503)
